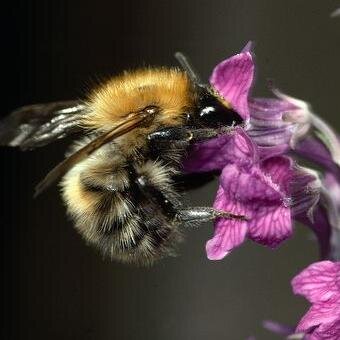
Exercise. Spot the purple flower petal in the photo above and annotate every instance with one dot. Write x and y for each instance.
(319, 282)
(259, 194)
(324, 219)
(271, 225)
(229, 234)
(331, 205)
(333, 185)
(267, 124)
(305, 190)
(233, 78)
(327, 331)
(268, 112)
(216, 153)
(326, 314)
(266, 152)
(272, 222)
(320, 226)
(313, 149)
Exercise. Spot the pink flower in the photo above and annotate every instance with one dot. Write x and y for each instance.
(320, 284)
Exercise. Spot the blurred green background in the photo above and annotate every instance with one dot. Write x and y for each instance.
(58, 288)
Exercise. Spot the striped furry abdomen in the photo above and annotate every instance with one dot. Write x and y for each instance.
(112, 212)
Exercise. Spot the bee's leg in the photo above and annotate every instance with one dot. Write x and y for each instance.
(158, 197)
(182, 134)
(204, 214)
(173, 209)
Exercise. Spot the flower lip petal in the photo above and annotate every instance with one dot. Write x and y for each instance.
(232, 234)
(229, 233)
(258, 196)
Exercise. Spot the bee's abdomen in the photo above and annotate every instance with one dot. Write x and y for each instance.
(112, 212)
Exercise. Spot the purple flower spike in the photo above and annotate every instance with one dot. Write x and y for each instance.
(233, 77)
(320, 284)
(257, 179)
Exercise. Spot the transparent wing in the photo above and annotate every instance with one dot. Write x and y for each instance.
(37, 125)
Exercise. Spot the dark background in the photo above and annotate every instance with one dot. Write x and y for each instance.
(58, 288)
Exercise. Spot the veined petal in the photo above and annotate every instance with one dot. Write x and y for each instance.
(229, 233)
(305, 189)
(250, 186)
(268, 112)
(326, 331)
(272, 222)
(267, 124)
(326, 313)
(271, 225)
(259, 194)
(232, 78)
(319, 282)
(271, 136)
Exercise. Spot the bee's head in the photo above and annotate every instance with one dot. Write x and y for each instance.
(211, 109)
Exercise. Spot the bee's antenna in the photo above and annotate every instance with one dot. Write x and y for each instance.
(185, 63)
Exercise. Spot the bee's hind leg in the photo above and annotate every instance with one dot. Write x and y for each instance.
(204, 214)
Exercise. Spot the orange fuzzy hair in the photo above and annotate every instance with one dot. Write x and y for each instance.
(168, 89)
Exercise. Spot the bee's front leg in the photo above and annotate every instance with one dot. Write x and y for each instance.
(182, 134)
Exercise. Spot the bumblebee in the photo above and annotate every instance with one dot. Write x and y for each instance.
(119, 181)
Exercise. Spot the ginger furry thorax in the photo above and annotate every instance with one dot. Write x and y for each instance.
(167, 88)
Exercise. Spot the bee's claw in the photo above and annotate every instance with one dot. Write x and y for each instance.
(229, 215)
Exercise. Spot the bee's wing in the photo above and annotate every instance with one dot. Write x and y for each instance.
(62, 168)
(37, 125)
